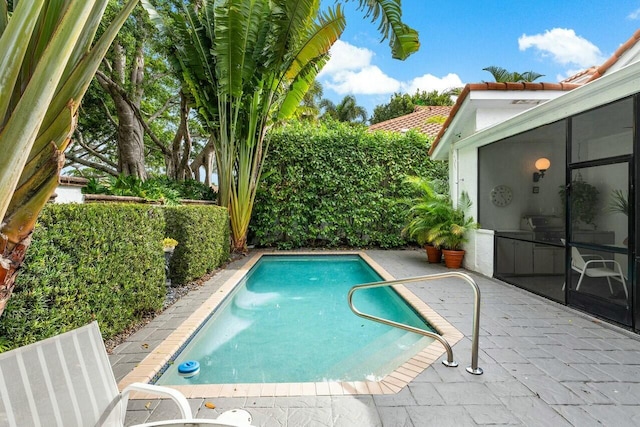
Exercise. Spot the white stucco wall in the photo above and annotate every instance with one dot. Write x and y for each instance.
(69, 194)
(490, 116)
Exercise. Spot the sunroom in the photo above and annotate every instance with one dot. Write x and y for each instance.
(553, 191)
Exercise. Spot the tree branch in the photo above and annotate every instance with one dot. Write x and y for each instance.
(99, 156)
(136, 110)
(72, 157)
(162, 109)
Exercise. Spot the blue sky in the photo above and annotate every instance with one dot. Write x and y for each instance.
(460, 38)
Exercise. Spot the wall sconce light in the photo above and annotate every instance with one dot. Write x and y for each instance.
(542, 164)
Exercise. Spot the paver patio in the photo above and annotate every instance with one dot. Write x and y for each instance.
(544, 365)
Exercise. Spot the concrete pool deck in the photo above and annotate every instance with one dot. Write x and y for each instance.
(544, 364)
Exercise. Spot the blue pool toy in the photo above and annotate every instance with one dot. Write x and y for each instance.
(189, 368)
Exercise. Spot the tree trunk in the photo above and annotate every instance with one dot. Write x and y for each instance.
(11, 260)
(204, 160)
(130, 130)
(178, 162)
(130, 141)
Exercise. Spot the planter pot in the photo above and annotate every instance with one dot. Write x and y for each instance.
(453, 259)
(434, 255)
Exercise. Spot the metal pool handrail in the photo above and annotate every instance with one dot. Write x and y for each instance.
(473, 369)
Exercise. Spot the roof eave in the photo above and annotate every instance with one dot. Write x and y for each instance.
(609, 88)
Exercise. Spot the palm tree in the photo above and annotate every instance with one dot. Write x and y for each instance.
(248, 65)
(501, 75)
(46, 65)
(347, 110)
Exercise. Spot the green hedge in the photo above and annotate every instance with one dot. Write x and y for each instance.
(202, 233)
(95, 261)
(105, 262)
(335, 184)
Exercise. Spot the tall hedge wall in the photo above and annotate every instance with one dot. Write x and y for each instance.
(97, 261)
(203, 236)
(105, 262)
(335, 184)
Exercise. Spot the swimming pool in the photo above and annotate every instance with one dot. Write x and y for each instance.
(223, 284)
(288, 321)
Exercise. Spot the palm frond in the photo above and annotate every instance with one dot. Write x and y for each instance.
(403, 40)
(237, 27)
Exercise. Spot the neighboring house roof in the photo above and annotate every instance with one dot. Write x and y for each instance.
(504, 87)
(418, 120)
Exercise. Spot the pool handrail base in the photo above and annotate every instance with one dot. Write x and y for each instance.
(473, 369)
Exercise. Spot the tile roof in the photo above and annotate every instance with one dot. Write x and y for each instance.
(616, 55)
(514, 86)
(569, 83)
(418, 120)
(582, 76)
(592, 73)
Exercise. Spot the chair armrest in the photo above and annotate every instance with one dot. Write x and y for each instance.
(603, 262)
(592, 256)
(172, 394)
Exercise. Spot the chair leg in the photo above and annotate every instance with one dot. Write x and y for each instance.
(610, 287)
(580, 281)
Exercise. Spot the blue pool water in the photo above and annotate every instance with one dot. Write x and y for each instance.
(289, 321)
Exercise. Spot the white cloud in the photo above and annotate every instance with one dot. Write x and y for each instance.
(369, 80)
(634, 15)
(564, 46)
(429, 82)
(349, 71)
(345, 56)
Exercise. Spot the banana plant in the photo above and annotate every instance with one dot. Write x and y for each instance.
(247, 65)
(48, 60)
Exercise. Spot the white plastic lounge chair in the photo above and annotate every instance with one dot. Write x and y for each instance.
(596, 266)
(67, 380)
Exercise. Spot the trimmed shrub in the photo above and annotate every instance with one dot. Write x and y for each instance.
(338, 185)
(202, 233)
(86, 262)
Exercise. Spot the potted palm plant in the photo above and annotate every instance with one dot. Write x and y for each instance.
(451, 233)
(424, 215)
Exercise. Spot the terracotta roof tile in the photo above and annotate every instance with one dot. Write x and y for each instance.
(599, 71)
(495, 86)
(418, 120)
(588, 71)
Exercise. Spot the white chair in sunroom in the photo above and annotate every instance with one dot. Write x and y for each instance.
(592, 265)
(67, 380)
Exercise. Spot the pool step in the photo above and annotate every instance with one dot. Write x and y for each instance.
(373, 359)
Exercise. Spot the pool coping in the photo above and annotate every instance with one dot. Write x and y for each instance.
(392, 383)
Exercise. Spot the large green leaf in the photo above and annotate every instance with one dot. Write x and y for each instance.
(23, 125)
(402, 39)
(13, 45)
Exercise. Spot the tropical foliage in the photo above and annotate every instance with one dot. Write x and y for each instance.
(401, 104)
(347, 110)
(433, 218)
(501, 75)
(155, 188)
(248, 65)
(48, 60)
(427, 209)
